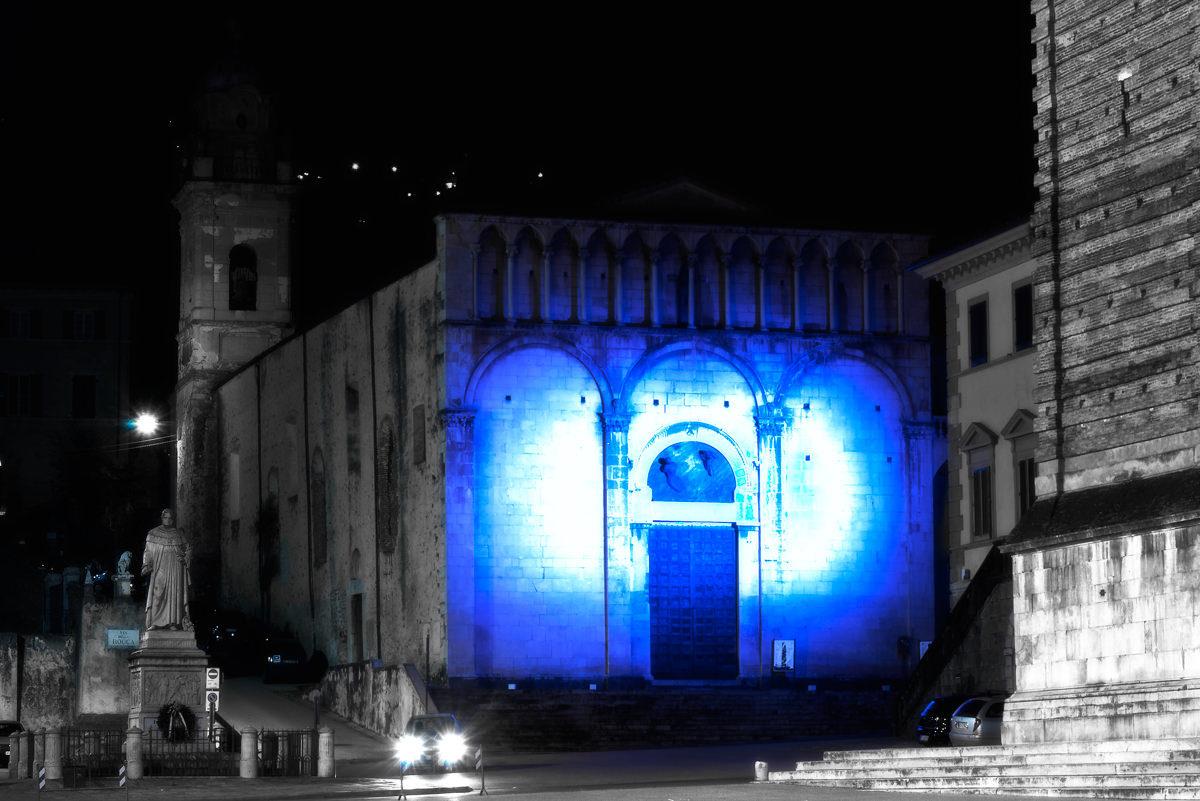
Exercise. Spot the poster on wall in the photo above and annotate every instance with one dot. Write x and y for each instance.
(784, 654)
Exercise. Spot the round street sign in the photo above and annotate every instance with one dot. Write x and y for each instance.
(212, 678)
(213, 699)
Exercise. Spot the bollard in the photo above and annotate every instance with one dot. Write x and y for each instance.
(760, 771)
(325, 765)
(249, 768)
(14, 755)
(39, 747)
(26, 755)
(54, 766)
(133, 753)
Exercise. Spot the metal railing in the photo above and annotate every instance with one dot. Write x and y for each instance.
(92, 753)
(194, 756)
(288, 753)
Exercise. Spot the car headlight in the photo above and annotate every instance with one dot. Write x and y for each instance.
(451, 747)
(410, 749)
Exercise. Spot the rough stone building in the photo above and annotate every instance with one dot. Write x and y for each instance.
(1107, 564)
(565, 449)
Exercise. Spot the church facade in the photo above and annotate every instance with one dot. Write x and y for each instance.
(590, 450)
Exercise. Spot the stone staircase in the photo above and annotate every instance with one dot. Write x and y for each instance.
(1133, 769)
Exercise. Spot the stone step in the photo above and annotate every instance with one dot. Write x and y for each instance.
(1128, 769)
(817, 772)
(1109, 747)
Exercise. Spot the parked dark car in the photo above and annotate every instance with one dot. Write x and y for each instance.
(434, 742)
(934, 726)
(7, 729)
(978, 721)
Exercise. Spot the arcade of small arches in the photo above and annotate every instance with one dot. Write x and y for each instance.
(672, 279)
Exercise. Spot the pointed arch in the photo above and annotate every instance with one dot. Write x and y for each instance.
(778, 288)
(672, 266)
(848, 288)
(527, 253)
(562, 277)
(741, 284)
(814, 278)
(635, 275)
(706, 292)
(883, 281)
(490, 272)
(597, 278)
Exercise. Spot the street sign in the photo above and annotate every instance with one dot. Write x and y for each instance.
(212, 679)
(212, 700)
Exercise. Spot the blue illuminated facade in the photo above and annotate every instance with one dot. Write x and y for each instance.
(581, 451)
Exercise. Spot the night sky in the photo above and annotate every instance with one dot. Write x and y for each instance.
(915, 119)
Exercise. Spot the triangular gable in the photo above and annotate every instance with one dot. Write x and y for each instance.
(1019, 425)
(682, 194)
(976, 436)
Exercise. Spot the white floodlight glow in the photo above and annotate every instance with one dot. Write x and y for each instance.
(146, 424)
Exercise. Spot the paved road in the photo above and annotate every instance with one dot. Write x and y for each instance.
(366, 768)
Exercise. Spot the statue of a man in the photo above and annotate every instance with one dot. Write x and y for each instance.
(167, 559)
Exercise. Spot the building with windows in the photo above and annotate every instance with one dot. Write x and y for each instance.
(564, 449)
(990, 357)
(64, 387)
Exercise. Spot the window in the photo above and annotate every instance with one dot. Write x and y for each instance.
(981, 501)
(243, 278)
(977, 332)
(83, 396)
(1020, 432)
(979, 446)
(1026, 495)
(1023, 317)
(21, 395)
(83, 324)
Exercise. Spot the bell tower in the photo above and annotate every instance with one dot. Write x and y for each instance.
(235, 210)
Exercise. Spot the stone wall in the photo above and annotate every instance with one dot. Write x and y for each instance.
(41, 670)
(381, 699)
(104, 671)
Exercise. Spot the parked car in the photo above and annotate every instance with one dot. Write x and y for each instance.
(934, 726)
(286, 661)
(978, 721)
(433, 742)
(7, 729)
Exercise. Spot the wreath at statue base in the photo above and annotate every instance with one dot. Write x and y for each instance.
(176, 721)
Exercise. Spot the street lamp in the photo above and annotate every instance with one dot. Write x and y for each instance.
(145, 424)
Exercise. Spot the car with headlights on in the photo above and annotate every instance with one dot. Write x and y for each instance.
(934, 726)
(433, 742)
(978, 721)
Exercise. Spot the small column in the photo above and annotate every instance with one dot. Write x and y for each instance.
(898, 275)
(510, 270)
(249, 761)
(54, 743)
(581, 295)
(830, 289)
(325, 757)
(760, 292)
(691, 293)
(652, 291)
(134, 768)
(866, 296)
(725, 290)
(474, 305)
(798, 310)
(616, 294)
(545, 283)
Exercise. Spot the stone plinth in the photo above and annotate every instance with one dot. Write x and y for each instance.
(167, 667)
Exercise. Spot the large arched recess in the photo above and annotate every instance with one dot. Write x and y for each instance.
(692, 408)
(539, 513)
(837, 579)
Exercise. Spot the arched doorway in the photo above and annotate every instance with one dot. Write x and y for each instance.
(689, 509)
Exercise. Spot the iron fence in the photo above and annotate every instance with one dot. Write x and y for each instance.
(194, 755)
(288, 753)
(92, 753)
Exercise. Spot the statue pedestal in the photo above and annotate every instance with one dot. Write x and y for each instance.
(168, 667)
